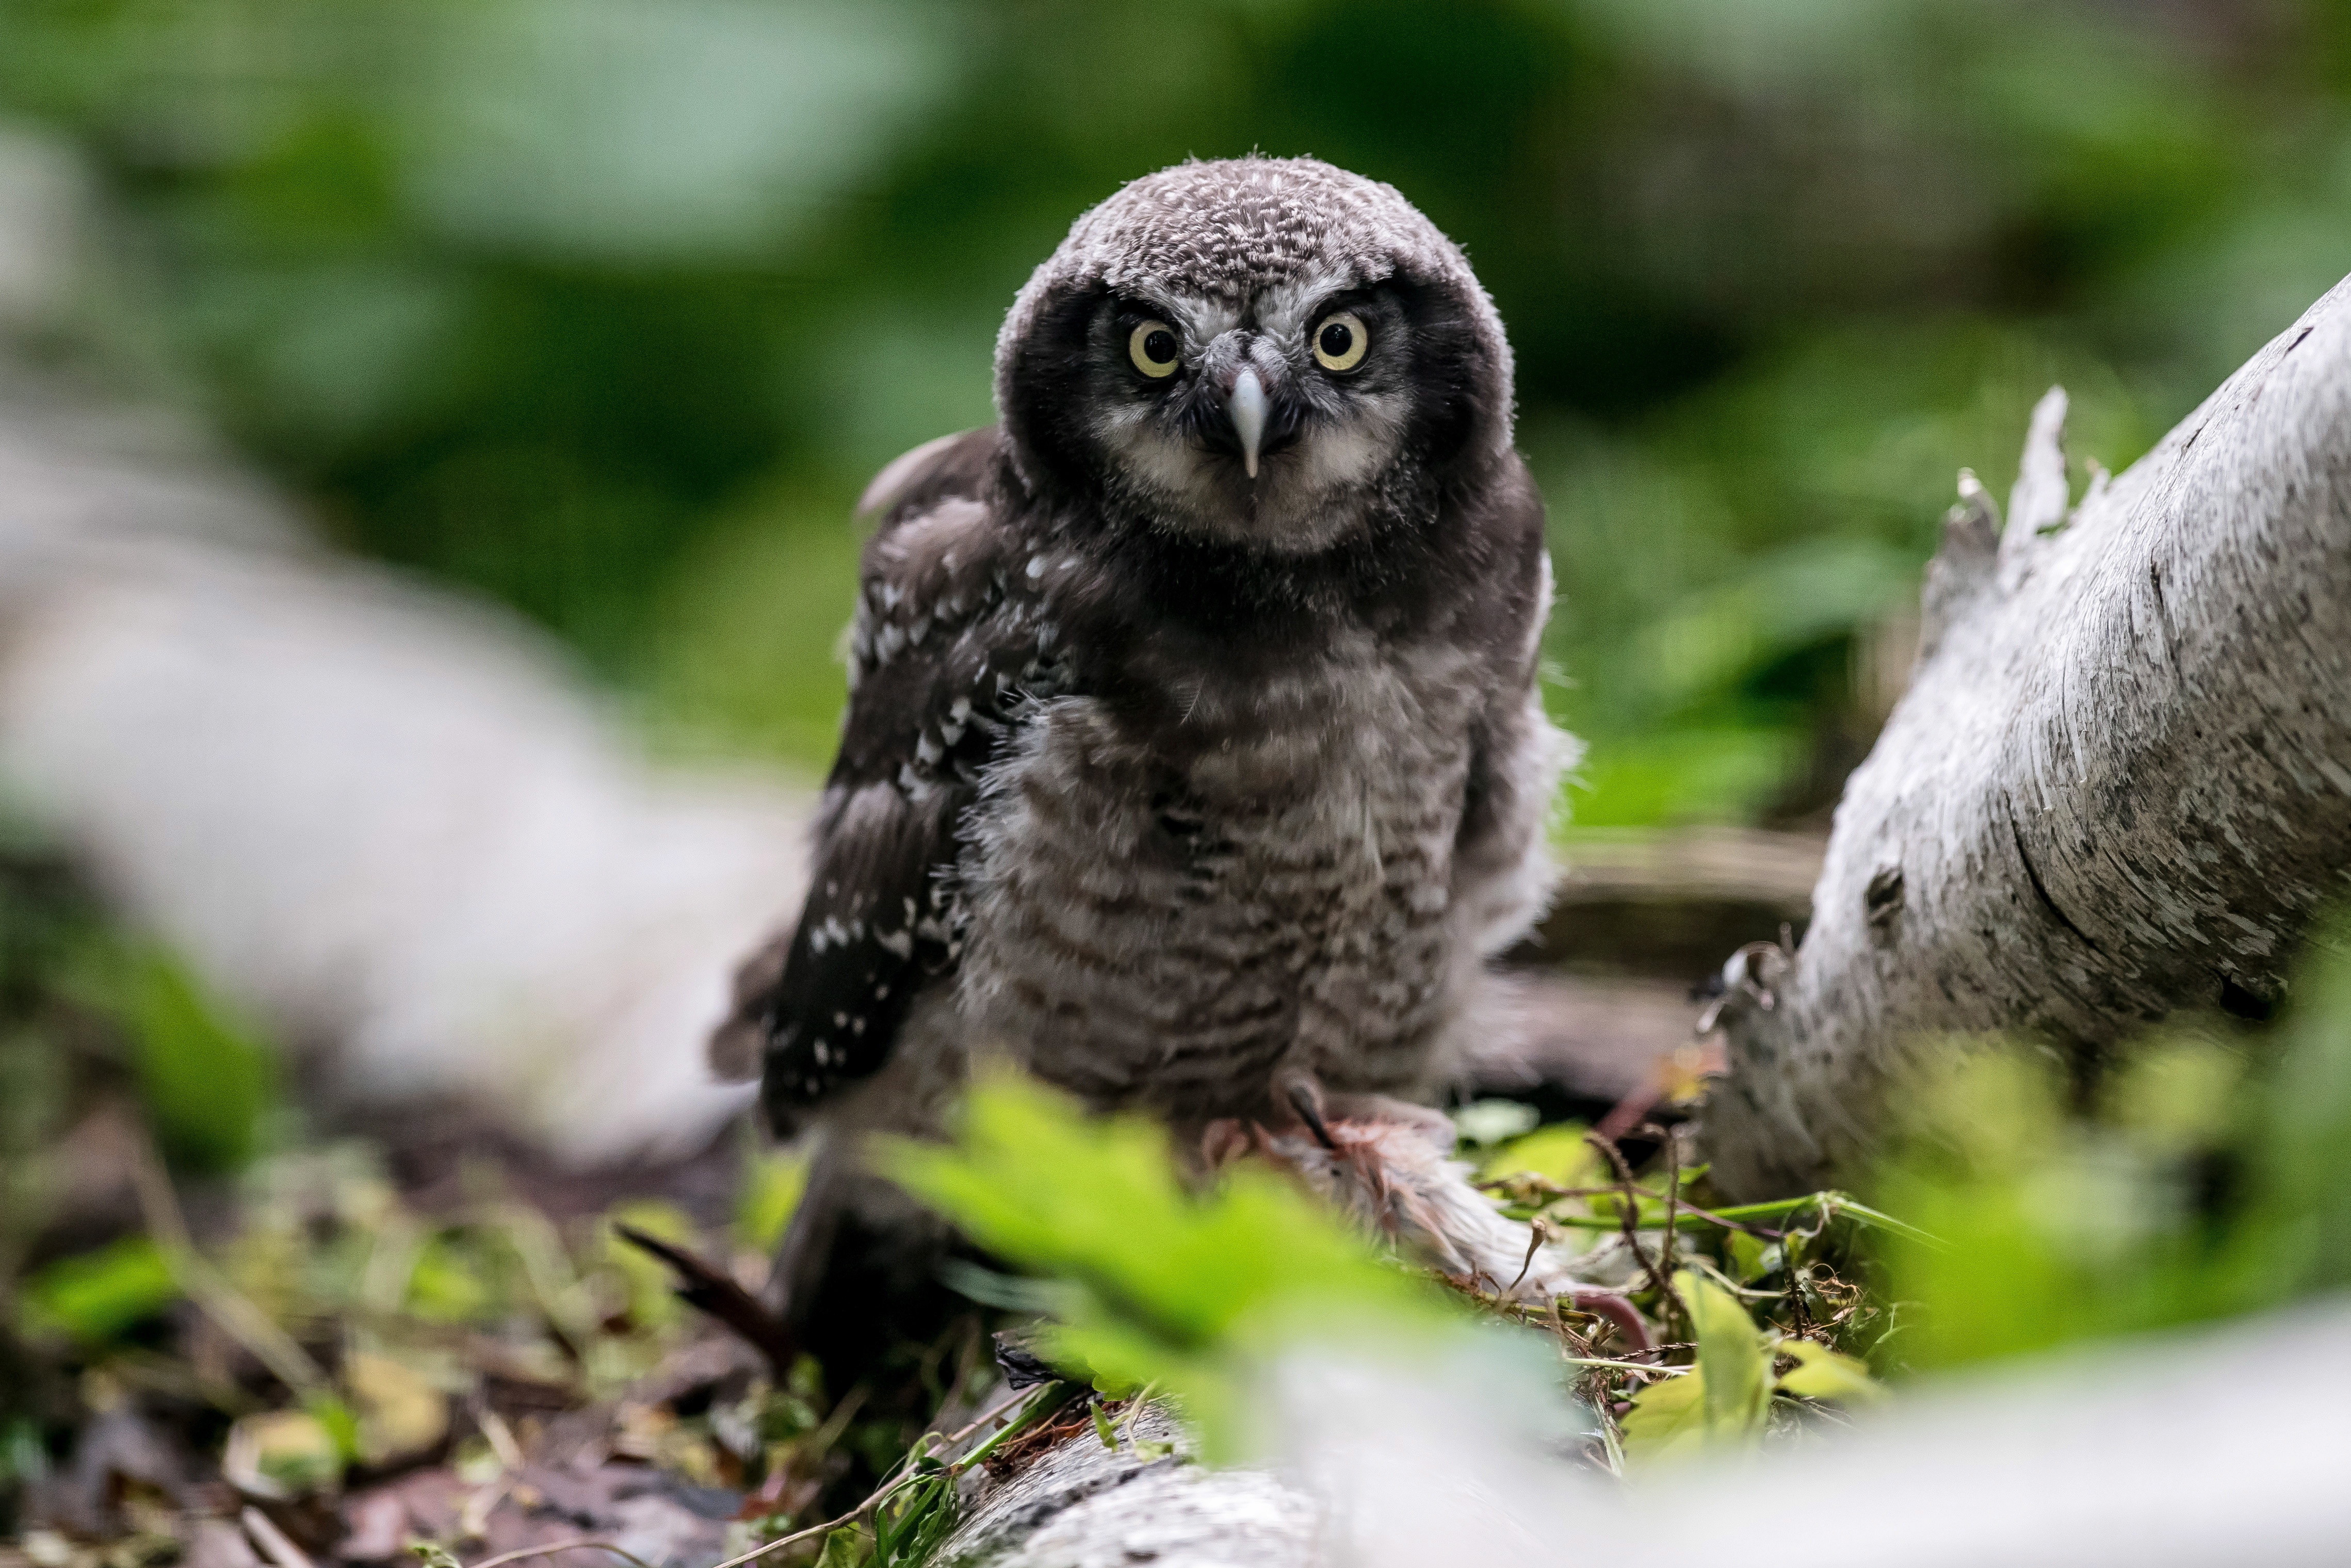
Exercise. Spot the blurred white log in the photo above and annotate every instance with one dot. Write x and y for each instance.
(380, 823)
(386, 820)
(2222, 1445)
(2120, 780)
(2179, 1451)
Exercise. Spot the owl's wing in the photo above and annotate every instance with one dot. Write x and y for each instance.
(1502, 872)
(932, 675)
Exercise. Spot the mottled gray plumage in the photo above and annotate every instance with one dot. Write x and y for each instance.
(1194, 746)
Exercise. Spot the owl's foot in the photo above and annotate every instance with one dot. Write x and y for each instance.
(1296, 1110)
(1339, 1126)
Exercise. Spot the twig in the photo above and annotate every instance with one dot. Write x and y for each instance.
(1050, 1398)
(1672, 1193)
(500, 1437)
(1789, 1254)
(999, 1407)
(1535, 1239)
(1691, 1218)
(1830, 1204)
(1631, 1216)
(272, 1540)
(844, 1410)
(710, 1290)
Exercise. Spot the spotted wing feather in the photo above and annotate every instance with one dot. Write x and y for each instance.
(928, 705)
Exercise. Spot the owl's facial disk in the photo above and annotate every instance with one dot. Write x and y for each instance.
(1273, 421)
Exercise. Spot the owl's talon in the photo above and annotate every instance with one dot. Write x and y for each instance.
(1307, 1100)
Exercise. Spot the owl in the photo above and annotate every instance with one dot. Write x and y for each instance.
(1193, 757)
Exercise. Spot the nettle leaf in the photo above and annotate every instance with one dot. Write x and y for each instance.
(1820, 1373)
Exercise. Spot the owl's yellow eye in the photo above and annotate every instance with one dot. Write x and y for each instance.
(1153, 347)
(1341, 340)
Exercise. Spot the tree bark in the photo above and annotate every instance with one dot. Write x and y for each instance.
(2119, 783)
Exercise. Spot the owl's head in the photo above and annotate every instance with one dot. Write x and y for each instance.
(1264, 351)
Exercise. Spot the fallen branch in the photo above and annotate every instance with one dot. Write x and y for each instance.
(2119, 783)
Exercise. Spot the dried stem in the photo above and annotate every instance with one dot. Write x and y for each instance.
(1630, 1213)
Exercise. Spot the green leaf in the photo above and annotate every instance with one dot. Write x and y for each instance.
(208, 1082)
(95, 1296)
(1667, 1418)
(1724, 1399)
(1751, 1257)
(1730, 1356)
(1820, 1373)
(1557, 1154)
(339, 1422)
(452, 1282)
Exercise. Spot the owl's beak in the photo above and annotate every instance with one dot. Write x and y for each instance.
(1246, 408)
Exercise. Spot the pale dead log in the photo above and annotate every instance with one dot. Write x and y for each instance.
(386, 822)
(2120, 781)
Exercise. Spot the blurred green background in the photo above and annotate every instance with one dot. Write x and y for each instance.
(607, 308)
